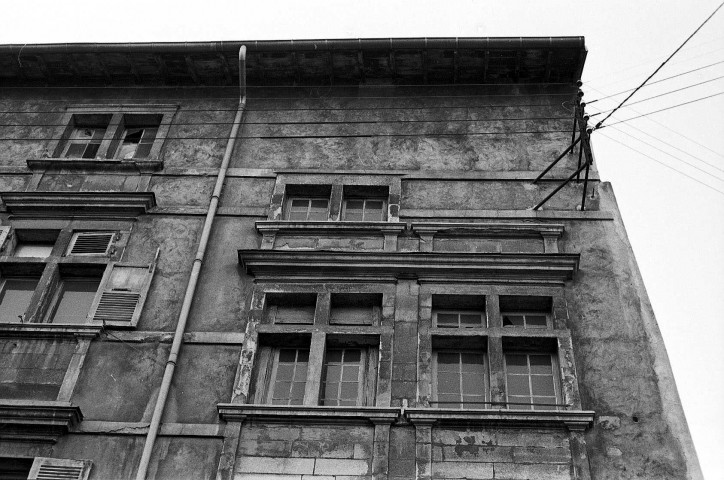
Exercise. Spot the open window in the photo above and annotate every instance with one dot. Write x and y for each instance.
(74, 291)
(18, 283)
(85, 136)
(137, 134)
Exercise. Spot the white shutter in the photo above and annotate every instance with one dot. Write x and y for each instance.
(59, 469)
(122, 293)
(91, 243)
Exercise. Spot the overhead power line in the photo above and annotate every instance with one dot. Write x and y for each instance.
(663, 94)
(663, 164)
(654, 83)
(657, 111)
(599, 124)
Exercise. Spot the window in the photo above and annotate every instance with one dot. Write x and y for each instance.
(308, 209)
(525, 312)
(531, 381)
(365, 203)
(355, 308)
(290, 308)
(289, 376)
(460, 379)
(139, 133)
(74, 299)
(84, 142)
(343, 377)
(15, 468)
(458, 311)
(15, 295)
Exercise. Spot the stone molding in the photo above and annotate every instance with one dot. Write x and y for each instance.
(307, 413)
(546, 268)
(91, 165)
(576, 420)
(37, 421)
(78, 204)
(49, 330)
(269, 229)
(497, 229)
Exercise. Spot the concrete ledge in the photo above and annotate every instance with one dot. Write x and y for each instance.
(92, 165)
(571, 419)
(497, 229)
(78, 204)
(141, 428)
(542, 268)
(434, 214)
(48, 330)
(301, 228)
(212, 338)
(232, 412)
(37, 421)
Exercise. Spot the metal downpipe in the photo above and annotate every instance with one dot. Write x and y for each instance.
(194, 278)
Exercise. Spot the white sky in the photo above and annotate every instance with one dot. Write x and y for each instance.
(675, 224)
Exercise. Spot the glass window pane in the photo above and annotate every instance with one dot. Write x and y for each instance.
(303, 356)
(334, 356)
(373, 211)
(355, 204)
(15, 298)
(127, 150)
(536, 321)
(516, 402)
(473, 384)
(349, 390)
(75, 299)
(518, 385)
(297, 392)
(448, 383)
(331, 390)
(516, 364)
(447, 319)
(143, 150)
(281, 391)
(352, 356)
(91, 150)
(544, 403)
(334, 372)
(318, 210)
(541, 364)
(75, 150)
(447, 359)
(287, 355)
(512, 320)
(350, 373)
(543, 385)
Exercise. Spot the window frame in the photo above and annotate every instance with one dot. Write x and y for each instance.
(435, 324)
(556, 374)
(274, 368)
(309, 200)
(362, 374)
(3, 283)
(486, 377)
(364, 201)
(57, 296)
(524, 314)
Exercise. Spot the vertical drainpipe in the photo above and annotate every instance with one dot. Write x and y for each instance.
(194, 279)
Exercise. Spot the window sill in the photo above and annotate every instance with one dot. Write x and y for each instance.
(78, 204)
(576, 420)
(308, 413)
(276, 226)
(91, 164)
(49, 330)
(37, 421)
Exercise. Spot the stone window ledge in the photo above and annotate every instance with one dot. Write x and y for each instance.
(307, 413)
(78, 204)
(101, 165)
(577, 420)
(516, 229)
(37, 421)
(49, 330)
(553, 268)
(290, 226)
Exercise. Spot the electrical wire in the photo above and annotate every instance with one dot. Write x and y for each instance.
(663, 94)
(669, 154)
(654, 83)
(661, 163)
(695, 142)
(599, 124)
(661, 110)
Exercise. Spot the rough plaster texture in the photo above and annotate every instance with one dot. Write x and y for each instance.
(620, 364)
(33, 369)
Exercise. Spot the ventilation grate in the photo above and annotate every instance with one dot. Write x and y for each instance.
(116, 306)
(58, 472)
(91, 243)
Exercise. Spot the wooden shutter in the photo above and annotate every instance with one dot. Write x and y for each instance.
(59, 469)
(91, 243)
(123, 292)
(4, 231)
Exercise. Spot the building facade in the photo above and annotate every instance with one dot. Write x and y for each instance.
(331, 260)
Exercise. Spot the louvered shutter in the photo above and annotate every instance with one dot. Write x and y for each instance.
(4, 231)
(123, 291)
(59, 469)
(91, 243)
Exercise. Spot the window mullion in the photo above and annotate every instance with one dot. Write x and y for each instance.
(314, 368)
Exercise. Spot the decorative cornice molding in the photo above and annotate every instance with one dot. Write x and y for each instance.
(48, 330)
(277, 226)
(37, 421)
(78, 204)
(496, 229)
(232, 412)
(577, 420)
(546, 268)
(91, 165)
